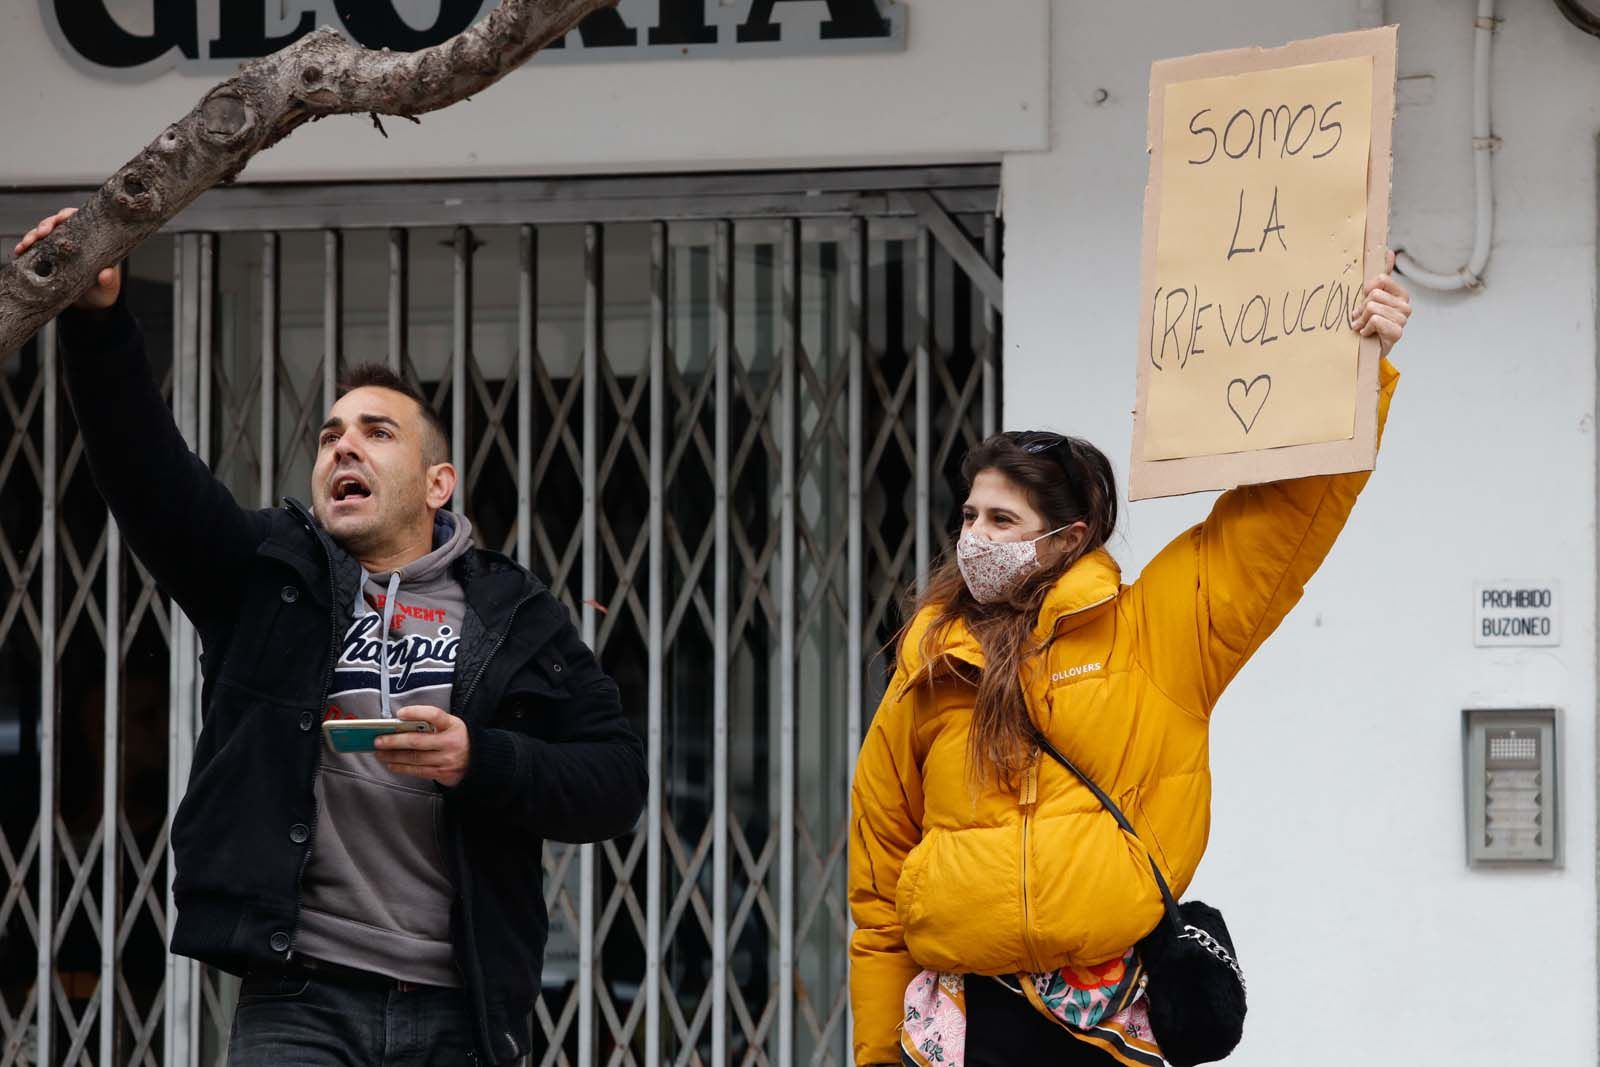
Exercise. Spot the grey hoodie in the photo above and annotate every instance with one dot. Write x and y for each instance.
(377, 892)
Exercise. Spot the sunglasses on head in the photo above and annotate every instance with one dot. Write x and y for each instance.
(1044, 445)
(1055, 446)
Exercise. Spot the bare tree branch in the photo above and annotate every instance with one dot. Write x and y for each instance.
(269, 98)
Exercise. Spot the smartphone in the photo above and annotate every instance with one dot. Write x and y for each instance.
(357, 735)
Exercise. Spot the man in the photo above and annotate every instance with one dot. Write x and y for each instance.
(383, 908)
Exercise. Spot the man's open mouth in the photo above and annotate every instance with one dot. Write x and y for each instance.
(349, 487)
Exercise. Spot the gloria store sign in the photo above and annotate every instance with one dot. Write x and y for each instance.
(144, 38)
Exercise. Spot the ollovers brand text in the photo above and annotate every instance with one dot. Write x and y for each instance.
(1075, 672)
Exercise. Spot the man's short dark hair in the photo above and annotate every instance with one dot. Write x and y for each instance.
(436, 435)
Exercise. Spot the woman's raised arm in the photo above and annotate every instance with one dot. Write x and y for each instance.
(1211, 597)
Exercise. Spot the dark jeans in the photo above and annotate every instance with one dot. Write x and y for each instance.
(1004, 1030)
(312, 1021)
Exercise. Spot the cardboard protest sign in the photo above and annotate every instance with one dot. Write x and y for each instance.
(1267, 208)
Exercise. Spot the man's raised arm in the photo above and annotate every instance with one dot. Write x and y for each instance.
(180, 521)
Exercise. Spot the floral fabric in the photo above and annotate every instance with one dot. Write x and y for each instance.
(1101, 1005)
(1083, 996)
(935, 1030)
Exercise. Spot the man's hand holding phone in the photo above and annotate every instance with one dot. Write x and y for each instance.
(440, 755)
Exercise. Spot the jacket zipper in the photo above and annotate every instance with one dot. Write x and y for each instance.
(505, 632)
(464, 876)
(1028, 799)
(316, 773)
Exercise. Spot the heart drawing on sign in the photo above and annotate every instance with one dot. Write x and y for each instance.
(1243, 398)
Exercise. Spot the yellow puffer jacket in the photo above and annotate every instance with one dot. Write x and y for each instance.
(947, 877)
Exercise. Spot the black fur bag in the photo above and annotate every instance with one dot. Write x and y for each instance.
(1195, 987)
(1194, 984)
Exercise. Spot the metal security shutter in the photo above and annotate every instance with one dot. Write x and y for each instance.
(721, 415)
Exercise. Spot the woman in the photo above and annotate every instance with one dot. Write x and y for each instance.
(996, 902)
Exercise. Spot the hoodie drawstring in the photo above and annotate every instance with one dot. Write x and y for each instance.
(388, 621)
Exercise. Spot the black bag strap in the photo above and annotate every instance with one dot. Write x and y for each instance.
(1173, 914)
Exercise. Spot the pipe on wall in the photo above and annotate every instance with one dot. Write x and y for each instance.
(1483, 146)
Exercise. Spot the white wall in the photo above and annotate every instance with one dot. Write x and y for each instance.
(968, 87)
(1337, 848)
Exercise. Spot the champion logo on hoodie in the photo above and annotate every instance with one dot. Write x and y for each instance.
(416, 661)
(405, 631)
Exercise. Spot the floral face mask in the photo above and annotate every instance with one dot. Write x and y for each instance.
(994, 569)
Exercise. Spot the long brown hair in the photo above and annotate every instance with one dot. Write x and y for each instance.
(1066, 480)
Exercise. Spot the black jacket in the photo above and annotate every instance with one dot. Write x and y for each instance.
(270, 594)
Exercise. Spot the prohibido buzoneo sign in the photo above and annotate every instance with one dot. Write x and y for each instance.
(1516, 613)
